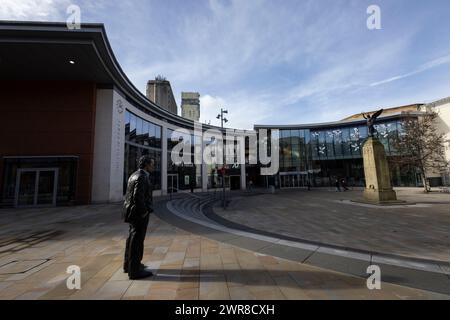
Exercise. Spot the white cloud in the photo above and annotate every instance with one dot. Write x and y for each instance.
(40, 10)
(227, 40)
(425, 67)
(243, 110)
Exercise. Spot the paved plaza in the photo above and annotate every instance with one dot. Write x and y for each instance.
(421, 230)
(37, 246)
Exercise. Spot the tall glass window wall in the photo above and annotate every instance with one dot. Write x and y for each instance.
(183, 176)
(141, 138)
(323, 155)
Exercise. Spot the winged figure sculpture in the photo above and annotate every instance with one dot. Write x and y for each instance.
(371, 121)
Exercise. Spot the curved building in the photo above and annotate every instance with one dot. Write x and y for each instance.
(73, 125)
(321, 153)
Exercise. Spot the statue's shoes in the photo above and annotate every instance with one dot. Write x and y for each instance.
(141, 267)
(141, 275)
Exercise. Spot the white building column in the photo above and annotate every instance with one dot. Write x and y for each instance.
(243, 177)
(164, 161)
(204, 170)
(109, 143)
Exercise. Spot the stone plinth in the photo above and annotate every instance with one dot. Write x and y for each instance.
(378, 182)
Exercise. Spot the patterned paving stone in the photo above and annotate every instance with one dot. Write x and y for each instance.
(186, 266)
(419, 232)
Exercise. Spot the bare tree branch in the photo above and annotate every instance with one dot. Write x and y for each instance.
(421, 145)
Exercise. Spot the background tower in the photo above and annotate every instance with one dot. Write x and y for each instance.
(160, 92)
(190, 105)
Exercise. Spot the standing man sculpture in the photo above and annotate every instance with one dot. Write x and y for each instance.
(136, 210)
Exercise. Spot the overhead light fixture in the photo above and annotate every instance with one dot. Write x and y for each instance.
(71, 62)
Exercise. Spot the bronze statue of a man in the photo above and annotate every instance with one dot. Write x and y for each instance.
(371, 121)
(136, 211)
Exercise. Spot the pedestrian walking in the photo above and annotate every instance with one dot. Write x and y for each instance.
(337, 185)
(344, 184)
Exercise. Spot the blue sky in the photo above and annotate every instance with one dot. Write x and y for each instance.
(274, 61)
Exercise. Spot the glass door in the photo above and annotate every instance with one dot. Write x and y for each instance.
(36, 187)
(46, 188)
(295, 181)
(172, 183)
(25, 195)
(286, 181)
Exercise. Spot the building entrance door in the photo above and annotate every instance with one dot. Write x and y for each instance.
(36, 187)
(235, 182)
(172, 183)
(293, 181)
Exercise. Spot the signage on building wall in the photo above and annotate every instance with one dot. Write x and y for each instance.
(118, 135)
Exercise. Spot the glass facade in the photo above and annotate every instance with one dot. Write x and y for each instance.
(322, 155)
(183, 176)
(315, 156)
(141, 138)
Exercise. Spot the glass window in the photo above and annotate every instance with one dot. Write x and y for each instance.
(157, 136)
(315, 144)
(139, 127)
(295, 136)
(127, 125)
(145, 133)
(346, 143)
(127, 116)
(132, 127)
(296, 155)
(151, 135)
(355, 136)
(382, 134)
(337, 141)
(132, 154)
(329, 141)
(392, 136)
(363, 134)
(170, 144)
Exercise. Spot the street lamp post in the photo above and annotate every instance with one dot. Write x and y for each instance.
(222, 120)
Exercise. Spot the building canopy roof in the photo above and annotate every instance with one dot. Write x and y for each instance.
(51, 51)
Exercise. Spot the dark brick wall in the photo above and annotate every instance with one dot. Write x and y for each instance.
(40, 118)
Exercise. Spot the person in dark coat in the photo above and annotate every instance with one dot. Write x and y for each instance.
(344, 184)
(192, 184)
(136, 210)
(337, 185)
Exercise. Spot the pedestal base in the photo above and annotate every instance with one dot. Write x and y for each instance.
(388, 204)
(376, 171)
(380, 196)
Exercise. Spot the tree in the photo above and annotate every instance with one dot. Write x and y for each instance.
(419, 144)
